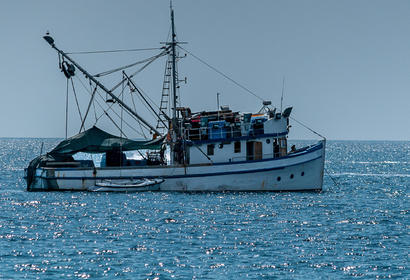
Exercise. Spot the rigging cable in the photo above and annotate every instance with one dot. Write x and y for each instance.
(331, 177)
(222, 74)
(147, 96)
(135, 108)
(152, 111)
(88, 108)
(127, 66)
(66, 112)
(318, 134)
(95, 112)
(138, 121)
(110, 108)
(116, 125)
(105, 111)
(76, 101)
(308, 128)
(91, 89)
(98, 103)
(150, 99)
(142, 68)
(122, 109)
(113, 51)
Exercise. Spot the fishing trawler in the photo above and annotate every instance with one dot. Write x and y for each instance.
(221, 150)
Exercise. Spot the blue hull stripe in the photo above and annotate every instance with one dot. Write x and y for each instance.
(179, 176)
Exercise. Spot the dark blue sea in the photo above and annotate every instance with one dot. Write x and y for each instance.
(357, 227)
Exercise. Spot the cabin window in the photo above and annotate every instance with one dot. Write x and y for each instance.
(210, 149)
(237, 147)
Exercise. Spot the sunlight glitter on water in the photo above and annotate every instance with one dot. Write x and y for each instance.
(357, 228)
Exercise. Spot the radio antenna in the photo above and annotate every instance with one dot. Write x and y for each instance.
(283, 89)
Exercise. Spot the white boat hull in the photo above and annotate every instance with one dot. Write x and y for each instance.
(299, 171)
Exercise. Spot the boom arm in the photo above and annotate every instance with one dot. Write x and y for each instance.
(50, 40)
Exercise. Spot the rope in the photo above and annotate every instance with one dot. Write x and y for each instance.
(122, 109)
(126, 66)
(139, 70)
(142, 98)
(91, 90)
(76, 101)
(105, 112)
(147, 96)
(135, 109)
(113, 51)
(90, 93)
(121, 133)
(66, 112)
(308, 128)
(140, 92)
(88, 108)
(110, 108)
(331, 177)
(222, 74)
(147, 107)
(95, 113)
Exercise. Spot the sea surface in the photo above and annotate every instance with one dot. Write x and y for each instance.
(357, 227)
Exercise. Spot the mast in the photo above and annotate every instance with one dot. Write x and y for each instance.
(174, 79)
(50, 40)
(175, 127)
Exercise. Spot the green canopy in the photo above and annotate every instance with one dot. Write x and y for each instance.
(95, 140)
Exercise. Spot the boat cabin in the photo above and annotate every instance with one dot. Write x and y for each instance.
(226, 136)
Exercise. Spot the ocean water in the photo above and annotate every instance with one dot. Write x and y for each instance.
(357, 227)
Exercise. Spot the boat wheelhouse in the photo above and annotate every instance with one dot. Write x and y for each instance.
(222, 150)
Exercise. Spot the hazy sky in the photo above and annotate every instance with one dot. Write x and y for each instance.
(346, 63)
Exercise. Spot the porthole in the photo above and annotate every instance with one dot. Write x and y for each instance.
(291, 176)
(303, 173)
(278, 178)
(267, 141)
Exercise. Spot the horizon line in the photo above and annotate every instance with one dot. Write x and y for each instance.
(289, 139)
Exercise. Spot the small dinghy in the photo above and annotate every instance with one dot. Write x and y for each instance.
(127, 185)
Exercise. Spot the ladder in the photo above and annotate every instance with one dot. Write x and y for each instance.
(165, 97)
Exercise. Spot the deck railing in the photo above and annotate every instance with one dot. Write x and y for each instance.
(221, 133)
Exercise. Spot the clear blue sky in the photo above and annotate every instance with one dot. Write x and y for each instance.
(346, 63)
